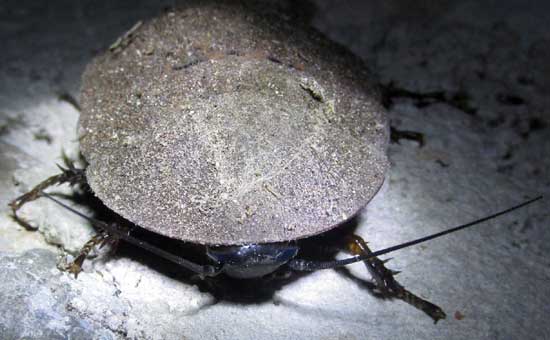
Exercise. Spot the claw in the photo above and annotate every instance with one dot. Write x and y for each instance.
(387, 260)
(75, 267)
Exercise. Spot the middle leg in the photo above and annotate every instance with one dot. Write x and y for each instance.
(100, 239)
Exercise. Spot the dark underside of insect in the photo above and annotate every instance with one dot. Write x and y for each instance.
(252, 260)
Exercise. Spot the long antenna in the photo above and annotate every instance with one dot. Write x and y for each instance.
(306, 265)
(206, 270)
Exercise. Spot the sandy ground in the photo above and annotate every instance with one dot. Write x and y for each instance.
(473, 78)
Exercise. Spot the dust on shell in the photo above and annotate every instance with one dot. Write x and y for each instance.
(225, 124)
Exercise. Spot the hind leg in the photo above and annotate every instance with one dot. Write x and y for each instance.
(385, 280)
(70, 175)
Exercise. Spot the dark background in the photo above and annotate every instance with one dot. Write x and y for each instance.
(472, 76)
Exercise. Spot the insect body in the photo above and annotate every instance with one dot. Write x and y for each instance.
(225, 126)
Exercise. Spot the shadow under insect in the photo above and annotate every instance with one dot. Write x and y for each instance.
(249, 273)
(255, 289)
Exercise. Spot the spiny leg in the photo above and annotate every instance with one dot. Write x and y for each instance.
(118, 232)
(386, 282)
(75, 267)
(70, 175)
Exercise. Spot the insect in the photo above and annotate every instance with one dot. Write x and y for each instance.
(228, 127)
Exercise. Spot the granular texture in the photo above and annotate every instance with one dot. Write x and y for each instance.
(228, 124)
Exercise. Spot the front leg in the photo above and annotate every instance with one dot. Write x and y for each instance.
(385, 280)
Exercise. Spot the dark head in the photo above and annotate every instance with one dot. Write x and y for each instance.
(252, 260)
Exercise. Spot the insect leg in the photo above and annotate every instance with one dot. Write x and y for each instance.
(386, 282)
(75, 267)
(69, 174)
(116, 232)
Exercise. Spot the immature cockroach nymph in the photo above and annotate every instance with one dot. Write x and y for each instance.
(224, 125)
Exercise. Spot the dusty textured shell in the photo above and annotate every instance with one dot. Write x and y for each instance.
(219, 124)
